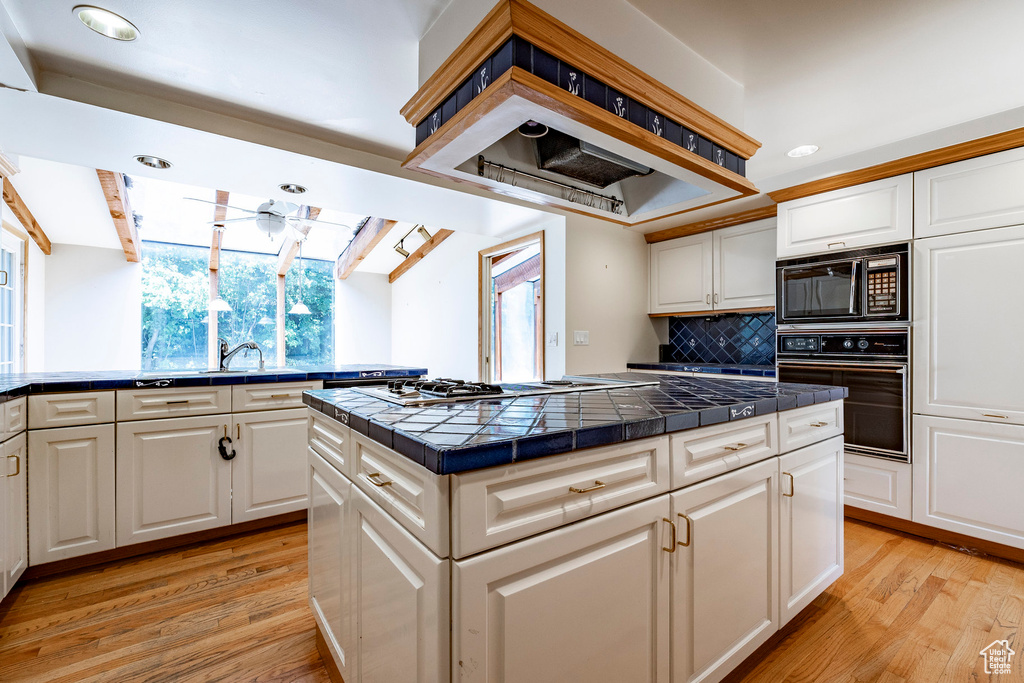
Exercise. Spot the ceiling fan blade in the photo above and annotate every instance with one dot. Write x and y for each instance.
(283, 207)
(226, 206)
(232, 220)
(310, 221)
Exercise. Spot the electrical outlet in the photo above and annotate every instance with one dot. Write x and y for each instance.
(581, 338)
(553, 339)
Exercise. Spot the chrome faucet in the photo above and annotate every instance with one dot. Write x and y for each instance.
(226, 356)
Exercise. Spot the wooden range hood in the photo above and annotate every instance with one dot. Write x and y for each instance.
(521, 64)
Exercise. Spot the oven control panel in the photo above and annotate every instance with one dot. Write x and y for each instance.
(866, 344)
(883, 284)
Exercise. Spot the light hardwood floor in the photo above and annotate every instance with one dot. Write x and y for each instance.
(235, 610)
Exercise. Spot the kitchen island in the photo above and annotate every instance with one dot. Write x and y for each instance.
(645, 533)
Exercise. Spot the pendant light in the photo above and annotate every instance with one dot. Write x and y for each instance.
(300, 308)
(217, 303)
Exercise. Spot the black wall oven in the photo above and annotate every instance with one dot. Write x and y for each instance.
(873, 364)
(859, 286)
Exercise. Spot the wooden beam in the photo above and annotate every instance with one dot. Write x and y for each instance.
(418, 255)
(219, 214)
(712, 224)
(13, 200)
(368, 237)
(290, 247)
(116, 194)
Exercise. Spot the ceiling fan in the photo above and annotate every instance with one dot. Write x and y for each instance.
(271, 217)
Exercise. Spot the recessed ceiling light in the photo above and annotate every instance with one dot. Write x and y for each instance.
(106, 23)
(292, 188)
(802, 151)
(153, 162)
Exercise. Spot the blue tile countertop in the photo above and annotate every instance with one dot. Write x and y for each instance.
(12, 386)
(457, 437)
(711, 368)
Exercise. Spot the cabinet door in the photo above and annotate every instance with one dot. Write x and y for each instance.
(861, 216)
(70, 492)
(401, 601)
(877, 484)
(170, 478)
(967, 477)
(811, 524)
(970, 195)
(16, 556)
(744, 267)
(725, 581)
(586, 602)
(330, 560)
(268, 474)
(681, 278)
(967, 291)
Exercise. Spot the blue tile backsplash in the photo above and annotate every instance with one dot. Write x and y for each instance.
(736, 338)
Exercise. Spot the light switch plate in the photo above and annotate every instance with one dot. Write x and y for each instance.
(553, 339)
(581, 338)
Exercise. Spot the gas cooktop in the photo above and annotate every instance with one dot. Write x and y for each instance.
(417, 392)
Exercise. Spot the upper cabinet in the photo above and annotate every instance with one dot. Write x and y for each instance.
(975, 194)
(728, 269)
(865, 215)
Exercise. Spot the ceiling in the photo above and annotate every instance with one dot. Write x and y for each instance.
(866, 82)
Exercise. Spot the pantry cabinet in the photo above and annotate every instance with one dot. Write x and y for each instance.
(268, 473)
(727, 269)
(13, 518)
(865, 215)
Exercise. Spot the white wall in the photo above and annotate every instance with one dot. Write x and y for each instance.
(93, 317)
(606, 295)
(35, 320)
(362, 314)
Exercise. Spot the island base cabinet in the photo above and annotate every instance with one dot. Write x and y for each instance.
(724, 579)
(587, 602)
(401, 600)
(330, 562)
(70, 492)
(967, 478)
(171, 478)
(15, 557)
(268, 472)
(810, 523)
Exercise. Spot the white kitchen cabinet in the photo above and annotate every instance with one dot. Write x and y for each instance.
(975, 194)
(70, 410)
(744, 266)
(967, 478)
(14, 417)
(330, 561)
(70, 492)
(268, 473)
(724, 571)
(879, 485)
(866, 215)
(401, 598)
(968, 323)
(698, 454)
(555, 607)
(15, 556)
(719, 270)
(810, 524)
(171, 478)
(681, 274)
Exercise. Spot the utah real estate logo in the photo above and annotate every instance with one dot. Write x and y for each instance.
(997, 657)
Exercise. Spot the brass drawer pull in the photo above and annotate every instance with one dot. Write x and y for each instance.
(689, 532)
(281, 395)
(672, 546)
(737, 447)
(177, 403)
(1001, 417)
(374, 478)
(598, 484)
(792, 485)
(17, 465)
(819, 424)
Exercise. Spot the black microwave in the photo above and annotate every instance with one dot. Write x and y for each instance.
(856, 286)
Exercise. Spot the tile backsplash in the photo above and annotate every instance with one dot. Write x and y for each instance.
(742, 338)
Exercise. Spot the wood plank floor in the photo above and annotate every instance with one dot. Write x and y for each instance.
(236, 610)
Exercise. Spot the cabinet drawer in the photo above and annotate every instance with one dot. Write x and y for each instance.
(803, 426)
(502, 504)
(144, 404)
(416, 497)
(70, 410)
(330, 439)
(248, 397)
(14, 417)
(879, 485)
(700, 454)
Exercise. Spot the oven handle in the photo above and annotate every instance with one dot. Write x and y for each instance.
(861, 367)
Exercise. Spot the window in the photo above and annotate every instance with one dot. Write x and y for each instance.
(175, 315)
(11, 303)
